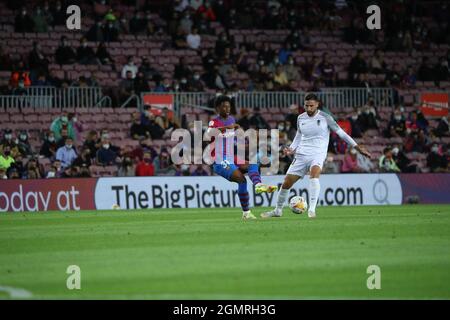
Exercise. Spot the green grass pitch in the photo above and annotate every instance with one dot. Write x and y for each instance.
(213, 254)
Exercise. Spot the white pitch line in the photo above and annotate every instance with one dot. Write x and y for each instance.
(16, 292)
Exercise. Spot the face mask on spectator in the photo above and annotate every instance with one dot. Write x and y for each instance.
(353, 151)
(183, 81)
(64, 119)
(8, 136)
(355, 117)
(23, 137)
(51, 139)
(281, 127)
(196, 76)
(261, 62)
(435, 149)
(398, 117)
(291, 62)
(68, 146)
(106, 146)
(395, 151)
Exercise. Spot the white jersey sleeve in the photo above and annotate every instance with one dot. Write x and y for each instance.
(341, 133)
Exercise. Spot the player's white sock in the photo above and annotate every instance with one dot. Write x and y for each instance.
(281, 198)
(314, 191)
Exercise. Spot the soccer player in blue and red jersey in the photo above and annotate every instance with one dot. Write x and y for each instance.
(226, 163)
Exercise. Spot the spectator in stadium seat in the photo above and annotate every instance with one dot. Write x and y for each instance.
(327, 71)
(95, 33)
(92, 143)
(138, 130)
(396, 126)
(149, 72)
(368, 117)
(110, 31)
(23, 22)
(291, 69)
(179, 39)
(409, 79)
(138, 23)
(23, 144)
(106, 156)
(244, 120)
(85, 54)
(182, 69)
(129, 67)
(436, 160)
(48, 148)
(62, 122)
(40, 20)
(33, 170)
(377, 63)
(20, 72)
(64, 53)
(145, 167)
(266, 54)
(193, 39)
(84, 159)
(186, 22)
(403, 162)
(357, 66)
(355, 125)
(66, 154)
(126, 168)
(166, 121)
(350, 163)
(331, 166)
(6, 160)
(141, 84)
(36, 59)
(207, 11)
(387, 163)
(442, 129)
(7, 139)
(280, 77)
(59, 14)
(257, 121)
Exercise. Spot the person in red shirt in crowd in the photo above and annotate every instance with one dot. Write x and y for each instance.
(207, 11)
(18, 74)
(145, 167)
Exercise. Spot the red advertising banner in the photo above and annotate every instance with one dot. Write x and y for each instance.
(159, 102)
(434, 104)
(47, 194)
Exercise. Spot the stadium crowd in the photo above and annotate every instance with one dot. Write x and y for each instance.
(187, 23)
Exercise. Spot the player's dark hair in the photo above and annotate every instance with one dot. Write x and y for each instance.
(221, 99)
(311, 96)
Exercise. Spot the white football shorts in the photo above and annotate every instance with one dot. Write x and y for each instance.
(301, 164)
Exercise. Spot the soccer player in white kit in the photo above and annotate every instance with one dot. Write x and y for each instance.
(310, 146)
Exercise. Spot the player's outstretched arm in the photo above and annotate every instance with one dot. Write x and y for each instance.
(344, 136)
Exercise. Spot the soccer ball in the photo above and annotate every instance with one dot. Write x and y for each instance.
(298, 204)
(115, 207)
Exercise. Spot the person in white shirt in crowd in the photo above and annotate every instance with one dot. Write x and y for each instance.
(193, 39)
(130, 66)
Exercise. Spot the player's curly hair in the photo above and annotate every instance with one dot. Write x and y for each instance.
(221, 99)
